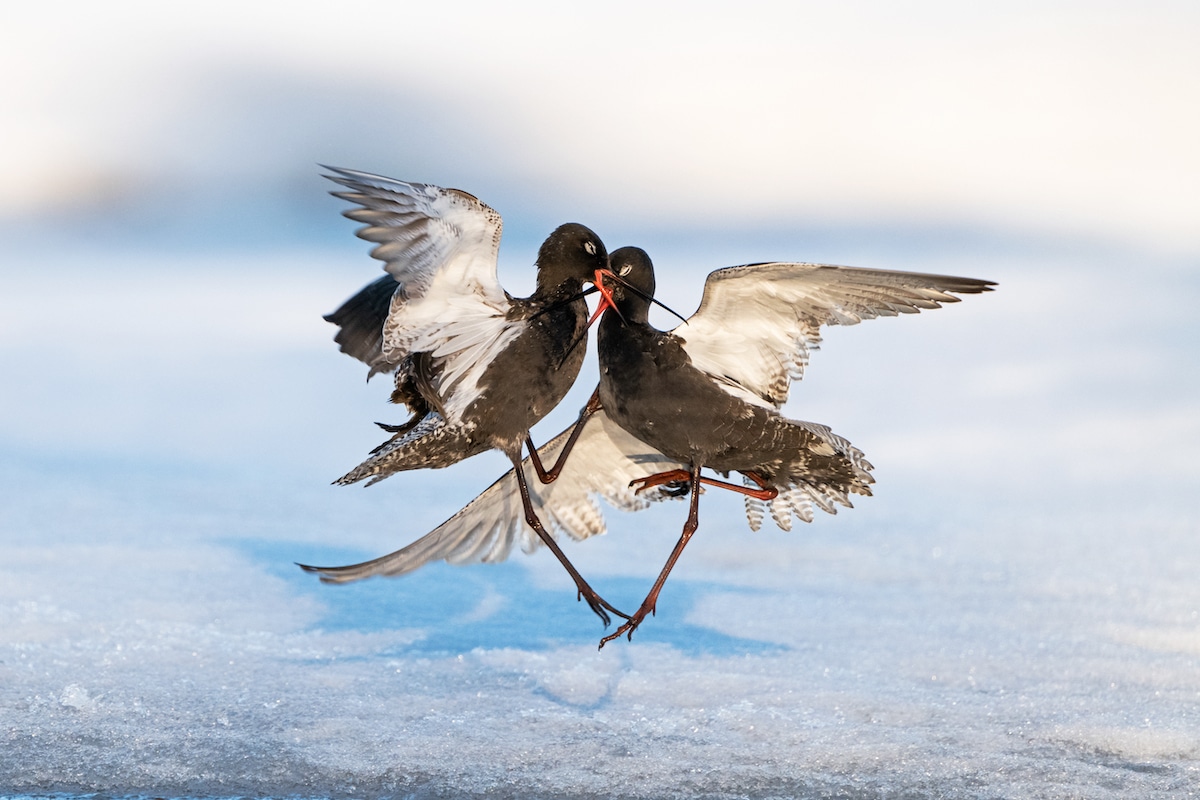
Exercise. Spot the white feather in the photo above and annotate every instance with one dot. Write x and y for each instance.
(757, 324)
(441, 246)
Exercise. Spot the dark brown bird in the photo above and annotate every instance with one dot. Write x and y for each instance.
(476, 367)
(707, 393)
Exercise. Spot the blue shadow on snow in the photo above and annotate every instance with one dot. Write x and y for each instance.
(492, 605)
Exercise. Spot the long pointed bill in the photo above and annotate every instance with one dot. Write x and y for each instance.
(612, 304)
(606, 298)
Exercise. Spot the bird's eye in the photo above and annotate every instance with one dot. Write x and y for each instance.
(590, 247)
(625, 269)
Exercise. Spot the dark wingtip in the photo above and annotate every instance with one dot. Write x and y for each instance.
(320, 572)
(976, 286)
(973, 286)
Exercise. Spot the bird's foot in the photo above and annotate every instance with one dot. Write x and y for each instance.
(629, 626)
(671, 479)
(397, 431)
(599, 606)
(676, 488)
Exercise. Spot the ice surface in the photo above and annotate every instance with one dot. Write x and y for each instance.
(1016, 613)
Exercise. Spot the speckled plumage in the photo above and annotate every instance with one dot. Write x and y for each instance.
(602, 464)
(523, 383)
(476, 367)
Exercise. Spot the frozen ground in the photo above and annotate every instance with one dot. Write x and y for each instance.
(1015, 614)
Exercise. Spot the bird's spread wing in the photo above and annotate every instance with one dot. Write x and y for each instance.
(601, 465)
(756, 323)
(360, 324)
(440, 247)
(425, 234)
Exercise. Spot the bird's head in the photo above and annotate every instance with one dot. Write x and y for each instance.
(569, 258)
(628, 284)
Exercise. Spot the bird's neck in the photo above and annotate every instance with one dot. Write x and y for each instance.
(556, 288)
(624, 321)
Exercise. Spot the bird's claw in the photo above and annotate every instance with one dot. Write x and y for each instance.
(670, 481)
(625, 630)
(599, 611)
(670, 488)
(676, 488)
(629, 626)
(599, 606)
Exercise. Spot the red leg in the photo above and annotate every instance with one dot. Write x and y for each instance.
(640, 485)
(763, 492)
(767, 492)
(689, 527)
(759, 479)
(551, 475)
(597, 603)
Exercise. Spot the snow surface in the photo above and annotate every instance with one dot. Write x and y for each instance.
(1016, 613)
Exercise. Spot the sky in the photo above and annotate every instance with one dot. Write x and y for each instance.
(1013, 614)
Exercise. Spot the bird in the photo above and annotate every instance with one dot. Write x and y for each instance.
(476, 367)
(760, 322)
(708, 393)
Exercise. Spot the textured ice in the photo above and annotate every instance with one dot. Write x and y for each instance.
(1016, 613)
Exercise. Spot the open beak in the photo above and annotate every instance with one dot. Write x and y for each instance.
(606, 298)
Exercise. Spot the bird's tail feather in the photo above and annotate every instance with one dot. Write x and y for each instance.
(846, 471)
(431, 443)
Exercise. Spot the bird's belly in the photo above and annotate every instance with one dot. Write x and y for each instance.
(695, 421)
(521, 387)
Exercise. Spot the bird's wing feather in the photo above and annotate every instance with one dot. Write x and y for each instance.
(601, 465)
(756, 323)
(440, 247)
(425, 234)
(360, 324)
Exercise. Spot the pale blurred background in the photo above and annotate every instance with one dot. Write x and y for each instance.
(1016, 611)
(1054, 119)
